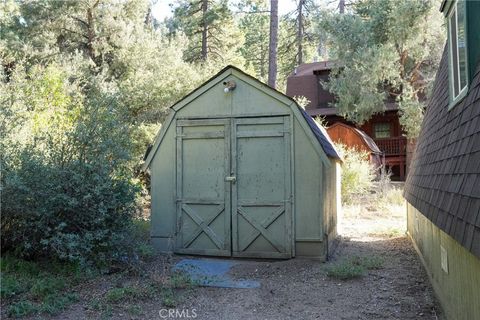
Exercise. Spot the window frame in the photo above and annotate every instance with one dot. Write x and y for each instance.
(378, 124)
(454, 100)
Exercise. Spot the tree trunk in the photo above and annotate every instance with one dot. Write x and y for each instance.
(300, 32)
(149, 17)
(91, 32)
(204, 30)
(272, 51)
(341, 6)
(90, 35)
(262, 62)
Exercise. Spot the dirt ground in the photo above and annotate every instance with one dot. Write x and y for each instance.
(300, 288)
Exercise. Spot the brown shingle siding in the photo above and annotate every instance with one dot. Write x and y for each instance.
(444, 177)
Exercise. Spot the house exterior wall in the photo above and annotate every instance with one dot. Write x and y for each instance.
(304, 86)
(313, 174)
(459, 289)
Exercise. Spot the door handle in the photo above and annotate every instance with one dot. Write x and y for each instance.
(232, 179)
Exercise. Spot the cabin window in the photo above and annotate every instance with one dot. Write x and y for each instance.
(382, 130)
(457, 50)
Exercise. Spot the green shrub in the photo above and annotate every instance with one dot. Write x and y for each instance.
(11, 264)
(345, 270)
(181, 280)
(10, 286)
(368, 262)
(394, 196)
(68, 190)
(21, 309)
(118, 294)
(46, 286)
(170, 300)
(39, 286)
(354, 267)
(357, 173)
(53, 304)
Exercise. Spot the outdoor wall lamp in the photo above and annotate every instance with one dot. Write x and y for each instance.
(229, 86)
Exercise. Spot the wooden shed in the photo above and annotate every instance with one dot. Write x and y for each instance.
(238, 169)
(355, 138)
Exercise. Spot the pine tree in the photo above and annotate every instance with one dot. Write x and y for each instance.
(386, 49)
(208, 24)
(254, 24)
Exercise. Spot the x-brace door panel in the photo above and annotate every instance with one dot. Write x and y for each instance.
(203, 194)
(261, 196)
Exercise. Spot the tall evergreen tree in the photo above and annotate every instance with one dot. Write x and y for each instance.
(254, 24)
(298, 40)
(273, 44)
(209, 26)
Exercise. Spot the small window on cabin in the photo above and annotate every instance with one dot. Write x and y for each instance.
(457, 49)
(382, 130)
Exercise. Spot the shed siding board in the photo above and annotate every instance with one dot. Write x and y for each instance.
(457, 290)
(308, 200)
(247, 101)
(163, 186)
(212, 102)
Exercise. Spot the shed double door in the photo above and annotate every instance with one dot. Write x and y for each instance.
(233, 187)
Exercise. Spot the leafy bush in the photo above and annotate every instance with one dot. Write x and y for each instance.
(357, 173)
(67, 187)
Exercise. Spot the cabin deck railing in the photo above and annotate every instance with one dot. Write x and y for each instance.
(395, 146)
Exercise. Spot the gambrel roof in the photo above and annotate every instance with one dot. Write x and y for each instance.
(444, 178)
(313, 130)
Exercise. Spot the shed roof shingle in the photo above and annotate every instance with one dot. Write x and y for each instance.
(444, 178)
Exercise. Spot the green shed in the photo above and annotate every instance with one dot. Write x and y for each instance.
(238, 169)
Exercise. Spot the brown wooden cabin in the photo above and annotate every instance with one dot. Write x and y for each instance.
(355, 138)
(384, 129)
